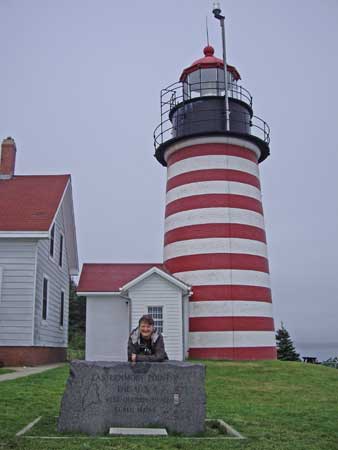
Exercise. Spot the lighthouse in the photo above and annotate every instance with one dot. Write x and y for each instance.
(211, 144)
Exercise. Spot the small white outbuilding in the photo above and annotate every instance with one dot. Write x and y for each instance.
(119, 294)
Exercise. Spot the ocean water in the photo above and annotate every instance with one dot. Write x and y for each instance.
(322, 351)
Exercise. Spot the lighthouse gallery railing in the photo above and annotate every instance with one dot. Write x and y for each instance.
(179, 94)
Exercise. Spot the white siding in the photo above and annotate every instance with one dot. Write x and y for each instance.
(1, 272)
(186, 315)
(156, 291)
(70, 232)
(107, 328)
(48, 333)
(17, 261)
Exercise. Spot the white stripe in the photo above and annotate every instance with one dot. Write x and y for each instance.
(215, 245)
(214, 215)
(213, 162)
(224, 276)
(226, 308)
(212, 140)
(213, 187)
(232, 339)
(28, 427)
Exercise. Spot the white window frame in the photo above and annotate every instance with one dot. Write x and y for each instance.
(52, 232)
(1, 278)
(63, 312)
(45, 277)
(162, 308)
(61, 250)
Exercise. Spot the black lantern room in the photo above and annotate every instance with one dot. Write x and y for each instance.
(195, 106)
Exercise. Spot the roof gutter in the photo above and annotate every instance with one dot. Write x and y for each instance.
(101, 294)
(25, 234)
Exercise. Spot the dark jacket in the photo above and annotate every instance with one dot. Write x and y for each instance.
(153, 351)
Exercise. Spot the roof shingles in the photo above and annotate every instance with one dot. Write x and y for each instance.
(29, 203)
(111, 277)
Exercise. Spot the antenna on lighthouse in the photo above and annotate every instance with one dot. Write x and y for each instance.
(207, 30)
(217, 14)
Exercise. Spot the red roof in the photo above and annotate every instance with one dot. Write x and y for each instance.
(111, 277)
(207, 62)
(29, 203)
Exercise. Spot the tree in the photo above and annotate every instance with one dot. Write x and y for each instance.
(77, 318)
(285, 348)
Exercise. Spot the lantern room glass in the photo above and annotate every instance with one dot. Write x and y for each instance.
(206, 82)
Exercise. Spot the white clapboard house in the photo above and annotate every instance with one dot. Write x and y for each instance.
(38, 254)
(119, 294)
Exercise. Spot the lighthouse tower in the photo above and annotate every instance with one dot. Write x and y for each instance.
(214, 237)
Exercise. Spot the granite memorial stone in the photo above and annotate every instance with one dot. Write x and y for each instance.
(100, 395)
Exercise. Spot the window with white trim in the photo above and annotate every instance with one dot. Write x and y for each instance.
(156, 313)
(62, 308)
(44, 298)
(61, 250)
(51, 241)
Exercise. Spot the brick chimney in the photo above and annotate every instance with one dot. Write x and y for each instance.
(7, 161)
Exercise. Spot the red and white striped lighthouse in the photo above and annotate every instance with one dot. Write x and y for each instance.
(214, 226)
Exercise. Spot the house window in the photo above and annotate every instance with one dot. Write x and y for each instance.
(62, 308)
(156, 313)
(1, 274)
(44, 298)
(51, 241)
(61, 250)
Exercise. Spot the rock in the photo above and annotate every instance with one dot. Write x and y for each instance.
(100, 395)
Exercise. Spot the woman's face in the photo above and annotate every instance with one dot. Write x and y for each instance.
(146, 329)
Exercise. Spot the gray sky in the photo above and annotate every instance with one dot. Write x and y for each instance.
(79, 92)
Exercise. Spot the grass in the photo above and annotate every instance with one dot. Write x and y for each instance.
(276, 405)
(74, 353)
(76, 346)
(3, 371)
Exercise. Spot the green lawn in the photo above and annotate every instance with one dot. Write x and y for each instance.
(3, 371)
(276, 405)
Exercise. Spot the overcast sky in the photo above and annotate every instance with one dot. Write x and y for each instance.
(79, 92)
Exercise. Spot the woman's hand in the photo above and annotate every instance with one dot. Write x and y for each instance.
(133, 357)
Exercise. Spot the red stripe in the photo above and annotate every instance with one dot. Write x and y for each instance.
(240, 353)
(215, 230)
(210, 261)
(213, 175)
(213, 201)
(231, 292)
(212, 149)
(231, 324)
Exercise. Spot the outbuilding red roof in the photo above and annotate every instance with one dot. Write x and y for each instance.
(111, 277)
(29, 203)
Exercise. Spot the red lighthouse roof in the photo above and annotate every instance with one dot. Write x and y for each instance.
(207, 62)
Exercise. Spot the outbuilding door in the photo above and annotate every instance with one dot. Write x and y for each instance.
(107, 328)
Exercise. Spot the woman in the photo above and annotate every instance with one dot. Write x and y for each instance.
(145, 343)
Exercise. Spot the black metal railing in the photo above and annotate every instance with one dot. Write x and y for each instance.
(179, 92)
(175, 124)
(214, 122)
